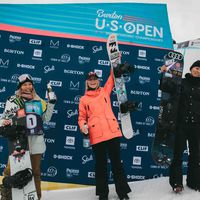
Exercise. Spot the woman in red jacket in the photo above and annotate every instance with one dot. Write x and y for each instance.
(97, 119)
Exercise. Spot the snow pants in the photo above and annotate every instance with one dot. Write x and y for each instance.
(190, 132)
(102, 151)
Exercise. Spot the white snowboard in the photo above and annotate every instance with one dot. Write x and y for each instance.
(29, 191)
(115, 59)
(16, 164)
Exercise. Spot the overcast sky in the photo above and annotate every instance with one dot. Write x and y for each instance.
(184, 15)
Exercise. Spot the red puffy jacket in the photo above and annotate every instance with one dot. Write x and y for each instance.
(95, 110)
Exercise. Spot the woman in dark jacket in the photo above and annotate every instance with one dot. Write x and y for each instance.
(188, 129)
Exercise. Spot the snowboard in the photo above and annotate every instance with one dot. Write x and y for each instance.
(20, 160)
(170, 86)
(18, 163)
(115, 59)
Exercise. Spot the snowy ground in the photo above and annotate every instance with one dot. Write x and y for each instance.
(154, 189)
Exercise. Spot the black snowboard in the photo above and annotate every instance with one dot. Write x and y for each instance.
(170, 86)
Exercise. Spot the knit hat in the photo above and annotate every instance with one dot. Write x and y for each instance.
(23, 79)
(195, 64)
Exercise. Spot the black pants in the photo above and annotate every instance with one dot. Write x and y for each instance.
(190, 132)
(112, 149)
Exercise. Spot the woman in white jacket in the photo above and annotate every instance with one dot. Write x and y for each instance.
(37, 111)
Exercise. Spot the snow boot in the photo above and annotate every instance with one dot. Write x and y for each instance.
(103, 197)
(193, 187)
(178, 188)
(124, 197)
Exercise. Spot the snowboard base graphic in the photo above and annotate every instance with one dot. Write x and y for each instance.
(21, 180)
(115, 60)
(28, 192)
(170, 85)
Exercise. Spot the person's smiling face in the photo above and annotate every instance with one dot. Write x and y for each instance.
(27, 87)
(195, 71)
(93, 82)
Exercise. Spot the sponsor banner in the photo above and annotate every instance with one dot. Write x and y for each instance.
(64, 62)
(133, 22)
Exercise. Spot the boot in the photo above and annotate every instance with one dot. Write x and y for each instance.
(103, 197)
(124, 197)
(177, 188)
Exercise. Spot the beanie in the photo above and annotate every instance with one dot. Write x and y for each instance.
(195, 64)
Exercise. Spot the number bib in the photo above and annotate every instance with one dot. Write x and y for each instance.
(34, 121)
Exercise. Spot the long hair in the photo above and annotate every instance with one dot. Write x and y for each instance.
(35, 95)
(87, 87)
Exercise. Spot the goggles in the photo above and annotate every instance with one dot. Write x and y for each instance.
(24, 77)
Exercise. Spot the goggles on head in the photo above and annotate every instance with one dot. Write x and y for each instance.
(24, 78)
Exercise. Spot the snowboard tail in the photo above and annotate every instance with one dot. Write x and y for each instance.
(170, 84)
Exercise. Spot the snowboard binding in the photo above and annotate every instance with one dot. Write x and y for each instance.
(19, 179)
(162, 154)
(122, 69)
(128, 106)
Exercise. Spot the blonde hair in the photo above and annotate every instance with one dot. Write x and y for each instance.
(87, 87)
(35, 95)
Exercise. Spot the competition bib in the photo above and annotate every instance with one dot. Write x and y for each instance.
(34, 121)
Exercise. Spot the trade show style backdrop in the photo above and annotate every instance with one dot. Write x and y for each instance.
(60, 44)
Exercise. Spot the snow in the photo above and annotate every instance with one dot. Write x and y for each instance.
(152, 189)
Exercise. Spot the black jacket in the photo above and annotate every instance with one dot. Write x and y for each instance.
(189, 103)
